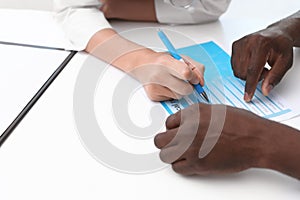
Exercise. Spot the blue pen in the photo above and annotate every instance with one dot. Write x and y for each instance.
(175, 55)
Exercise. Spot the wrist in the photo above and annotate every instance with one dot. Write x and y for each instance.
(263, 152)
(112, 48)
(130, 61)
(282, 149)
(288, 28)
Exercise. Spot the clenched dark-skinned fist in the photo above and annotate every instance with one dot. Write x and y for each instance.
(244, 141)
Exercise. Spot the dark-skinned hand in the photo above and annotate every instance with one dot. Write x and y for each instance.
(244, 140)
(251, 53)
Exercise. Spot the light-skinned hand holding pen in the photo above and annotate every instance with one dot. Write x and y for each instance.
(174, 54)
(162, 76)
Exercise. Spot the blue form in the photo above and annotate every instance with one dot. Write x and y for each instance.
(218, 71)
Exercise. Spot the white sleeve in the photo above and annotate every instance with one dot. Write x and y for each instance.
(198, 11)
(80, 20)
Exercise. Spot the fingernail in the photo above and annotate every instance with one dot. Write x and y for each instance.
(247, 97)
(201, 81)
(269, 88)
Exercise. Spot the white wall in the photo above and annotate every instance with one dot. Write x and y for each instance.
(27, 4)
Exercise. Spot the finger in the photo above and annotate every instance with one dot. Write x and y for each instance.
(156, 92)
(275, 75)
(179, 69)
(173, 83)
(178, 86)
(254, 72)
(174, 75)
(171, 154)
(164, 140)
(183, 167)
(173, 121)
(189, 60)
(197, 68)
(199, 75)
(240, 59)
(264, 74)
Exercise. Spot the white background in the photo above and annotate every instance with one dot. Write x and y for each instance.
(28, 4)
(45, 159)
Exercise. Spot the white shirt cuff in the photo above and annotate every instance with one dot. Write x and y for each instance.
(80, 24)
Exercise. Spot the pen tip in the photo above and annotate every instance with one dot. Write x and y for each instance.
(205, 97)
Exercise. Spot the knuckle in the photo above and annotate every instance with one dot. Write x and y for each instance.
(237, 73)
(236, 45)
(150, 88)
(259, 38)
(248, 41)
(176, 169)
(187, 89)
(151, 93)
(241, 43)
(163, 59)
(164, 157)
(262, 40)
(157, 141)
(173, 117)
(153, 97)
(276, 78)
(187, 74)
(155, 78)
(252, 71)
(234, 61)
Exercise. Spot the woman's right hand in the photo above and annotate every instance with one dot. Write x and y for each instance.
(164, 77)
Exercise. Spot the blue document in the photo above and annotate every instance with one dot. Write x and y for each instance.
(222, 87)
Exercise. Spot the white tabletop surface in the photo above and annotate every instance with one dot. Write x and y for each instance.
(44, 158)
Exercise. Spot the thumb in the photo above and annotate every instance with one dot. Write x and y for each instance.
(275, 75)
(197, 69)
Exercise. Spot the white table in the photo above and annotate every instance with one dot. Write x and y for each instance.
(45, 159)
